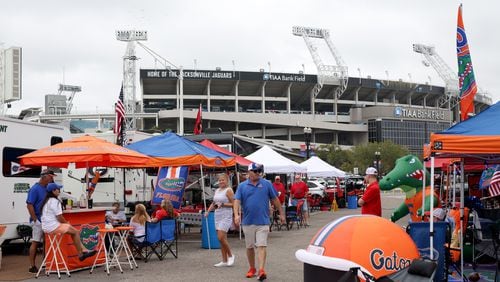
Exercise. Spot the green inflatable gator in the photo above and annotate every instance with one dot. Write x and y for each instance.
(408, 175)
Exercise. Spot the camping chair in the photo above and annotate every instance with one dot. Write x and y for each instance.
(24, 232)
(420, 233)
(420, 270)
(486, 239)
(275, 220)
(152, 240)
(292, 217)
(168, 242)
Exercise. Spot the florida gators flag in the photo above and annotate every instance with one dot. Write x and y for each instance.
(466, 81)
(170, 185)
(198, 125)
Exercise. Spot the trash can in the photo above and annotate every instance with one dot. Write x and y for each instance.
(208, 230)
(352, 202)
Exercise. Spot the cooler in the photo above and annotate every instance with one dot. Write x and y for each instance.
(208, 230)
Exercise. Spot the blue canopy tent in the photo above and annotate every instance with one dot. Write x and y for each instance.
(170, 149)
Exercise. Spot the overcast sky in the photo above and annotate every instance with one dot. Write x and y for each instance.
(75, 40)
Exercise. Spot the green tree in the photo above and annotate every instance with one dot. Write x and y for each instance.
(362, 156)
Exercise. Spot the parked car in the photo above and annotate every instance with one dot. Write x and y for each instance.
(316, 189)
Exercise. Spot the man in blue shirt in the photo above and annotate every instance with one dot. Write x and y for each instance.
(34, 202)
(254, 196)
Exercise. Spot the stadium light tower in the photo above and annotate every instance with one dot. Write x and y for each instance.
(129, 73)
(327, 74)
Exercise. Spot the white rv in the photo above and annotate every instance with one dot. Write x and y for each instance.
(17, 138)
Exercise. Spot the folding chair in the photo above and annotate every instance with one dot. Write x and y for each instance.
(168, 237)
(292, 217)
(148, 247)
(420, 233)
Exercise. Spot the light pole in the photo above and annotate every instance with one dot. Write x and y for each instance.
(377, 159)
(307, 137)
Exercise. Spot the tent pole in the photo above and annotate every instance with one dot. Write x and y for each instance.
(431, 207)
(462, 172)
(237, 183)
(454, 184)
(205, 204)
(423, 189)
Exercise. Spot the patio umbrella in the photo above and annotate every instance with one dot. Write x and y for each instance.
(85, 151)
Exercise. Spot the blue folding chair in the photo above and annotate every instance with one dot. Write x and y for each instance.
(150, 244)
(168, 237)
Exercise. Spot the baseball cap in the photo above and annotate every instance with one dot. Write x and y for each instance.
(371, 171)
(47, 172)
(255, 167)
(439, 213)
(53, 186)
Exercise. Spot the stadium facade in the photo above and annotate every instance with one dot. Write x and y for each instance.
(278, 106)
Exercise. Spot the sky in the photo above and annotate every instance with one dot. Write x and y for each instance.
(74, 42)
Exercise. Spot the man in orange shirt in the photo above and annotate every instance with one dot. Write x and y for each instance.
(370, 202)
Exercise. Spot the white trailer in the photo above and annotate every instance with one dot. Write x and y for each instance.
(17, 138)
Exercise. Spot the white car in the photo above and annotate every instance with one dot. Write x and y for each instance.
(316, 189)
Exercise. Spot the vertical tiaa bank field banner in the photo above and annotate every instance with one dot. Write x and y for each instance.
(170, 185)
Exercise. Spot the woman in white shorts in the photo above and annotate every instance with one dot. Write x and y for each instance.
(54, 222)
(223, 206)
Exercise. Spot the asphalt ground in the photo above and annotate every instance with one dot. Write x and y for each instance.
(195, 264)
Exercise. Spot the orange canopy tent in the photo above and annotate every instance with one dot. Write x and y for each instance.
(475, 138)
(239, 160)
(85, 151)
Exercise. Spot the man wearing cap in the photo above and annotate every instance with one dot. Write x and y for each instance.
(254, 195)
(36, 196)
(370, 202)
(298, 192)
(280, 189)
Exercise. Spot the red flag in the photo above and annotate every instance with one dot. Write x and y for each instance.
(198, 125)
(119, 114)
(467, 83)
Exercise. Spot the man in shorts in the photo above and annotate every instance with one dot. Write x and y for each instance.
(36, 196)
(253, 195)
(298, 192)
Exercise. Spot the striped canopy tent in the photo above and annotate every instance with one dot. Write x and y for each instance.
(170, 149)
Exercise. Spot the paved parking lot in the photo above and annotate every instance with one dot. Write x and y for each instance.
(196, 264)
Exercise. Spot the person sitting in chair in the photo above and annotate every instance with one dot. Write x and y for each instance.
(54, 222)
(138, 222)
(115, 216)
(167, 211)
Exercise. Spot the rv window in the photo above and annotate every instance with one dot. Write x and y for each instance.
(55, 140)
(11, 166)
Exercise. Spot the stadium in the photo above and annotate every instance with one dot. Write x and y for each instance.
(278, 107)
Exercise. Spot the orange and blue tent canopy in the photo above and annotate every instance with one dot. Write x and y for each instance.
(84, 151)
(478, 137)
(170, 149)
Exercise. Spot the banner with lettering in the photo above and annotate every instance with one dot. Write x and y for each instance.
(170, 185)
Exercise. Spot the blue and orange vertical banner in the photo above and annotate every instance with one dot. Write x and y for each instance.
(466, 81)
(170, 185)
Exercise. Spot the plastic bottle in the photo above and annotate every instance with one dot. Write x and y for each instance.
(83, 201)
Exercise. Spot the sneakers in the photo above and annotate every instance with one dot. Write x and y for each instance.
(262, 275)
(220, 264)
(230, 260)
(85, 255)
(251, 272)
(33, 269)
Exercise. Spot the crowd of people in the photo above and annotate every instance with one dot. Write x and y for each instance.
(251, 206)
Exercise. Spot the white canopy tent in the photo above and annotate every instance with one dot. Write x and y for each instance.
(274, 162)
(316, 167)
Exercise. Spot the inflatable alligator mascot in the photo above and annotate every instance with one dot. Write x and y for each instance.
(408, 175)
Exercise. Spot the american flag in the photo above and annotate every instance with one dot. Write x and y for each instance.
(119, 115)
(495, 183)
